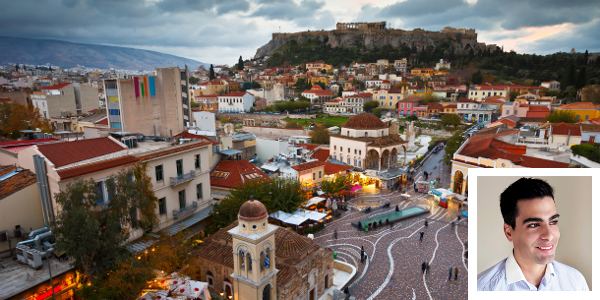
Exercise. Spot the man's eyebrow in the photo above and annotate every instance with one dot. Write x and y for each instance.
(529, 220)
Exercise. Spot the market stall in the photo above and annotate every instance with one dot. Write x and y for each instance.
(422, 186)
(442, 196)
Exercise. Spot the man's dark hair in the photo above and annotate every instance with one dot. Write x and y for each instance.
(522, 189)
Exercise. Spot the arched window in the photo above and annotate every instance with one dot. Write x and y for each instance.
(267, 292)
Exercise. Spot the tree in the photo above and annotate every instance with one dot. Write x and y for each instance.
(570, 77)
(194, 104)
(477, 77)
(194, 80)
(126, 281)
(559, 116)
(323, 71)
(589, 151)
(377, 112)
(16, 67)
(280, 193)
(255, 85)
(451, 119)
(83, 211)
(252, 109)
(591, 93)
(301, 85)
(340, 90)
(371, 105)
(293, 124)
(224, 120)
(211, 73)
(320, 135)
(240, 64)
(451, 146)
(335, 185)
(581, 78)
(16, 117)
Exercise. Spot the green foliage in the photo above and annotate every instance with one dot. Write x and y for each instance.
(301, 85)
(369, 106)
(320, 135)
(581, 78)
(127, 281)
(589, 151)
(323, 71)
(477, 77)
(224, 120)
(293, 124)
(194, 104)
(240, 64)
(313, 229)
(252, 109)
(291, 106)
(451, 119)
(560, 115)
(255, 85)
(335, 185)
(411, 118)
(211, 73)
(280, 193)
(451, 146)
(377, 112)
(81, 215)
(194, 80)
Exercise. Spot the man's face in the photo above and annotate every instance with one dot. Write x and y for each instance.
(536, 233)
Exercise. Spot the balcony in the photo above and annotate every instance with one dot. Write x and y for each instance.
(183, 178)
(185, 211)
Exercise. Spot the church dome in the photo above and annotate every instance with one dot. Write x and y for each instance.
(253, 210)
(364, 121)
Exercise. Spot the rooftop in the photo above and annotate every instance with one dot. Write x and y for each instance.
(13, 179)
(61, 154)
(364, 121)
(230, 173)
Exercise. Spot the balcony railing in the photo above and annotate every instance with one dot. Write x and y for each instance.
(185, 211)
(183, 178)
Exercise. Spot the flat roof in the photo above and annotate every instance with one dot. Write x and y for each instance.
(230, 152)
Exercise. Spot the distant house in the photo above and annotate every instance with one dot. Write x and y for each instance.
(237, 102)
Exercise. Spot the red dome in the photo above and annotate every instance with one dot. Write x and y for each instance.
(364, 121)
(253, 210)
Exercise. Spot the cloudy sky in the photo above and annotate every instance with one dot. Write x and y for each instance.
(219, 31)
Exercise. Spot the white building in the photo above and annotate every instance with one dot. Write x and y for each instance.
(442, 64)
(237, 102)
(553, 86)
(204, 120)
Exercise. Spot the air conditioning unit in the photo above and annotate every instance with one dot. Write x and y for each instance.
(22, 253)
(34, 258)
(4, 235)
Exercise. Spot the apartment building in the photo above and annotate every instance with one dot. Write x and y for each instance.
(65, 99)
(150, 105)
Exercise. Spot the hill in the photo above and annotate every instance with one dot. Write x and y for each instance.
(68, 55)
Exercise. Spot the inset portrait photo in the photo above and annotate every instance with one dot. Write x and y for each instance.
(533, 231)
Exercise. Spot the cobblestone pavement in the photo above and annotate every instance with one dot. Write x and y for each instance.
(395, 255)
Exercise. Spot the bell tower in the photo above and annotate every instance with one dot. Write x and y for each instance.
(254, 274)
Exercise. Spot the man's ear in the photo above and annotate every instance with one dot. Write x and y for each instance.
(508, 231)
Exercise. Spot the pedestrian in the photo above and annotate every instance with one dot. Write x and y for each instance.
(458, 220)
(359, 225)
(423, 267)
(427, 268)
(450, 274)
(397, 209)
(391, 224)
(421, 238)
(455, 273)
(362, 254)
(335, 234)
(426, 224)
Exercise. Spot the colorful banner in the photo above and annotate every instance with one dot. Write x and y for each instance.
(151, 86)
(146, 86)
(136, 84)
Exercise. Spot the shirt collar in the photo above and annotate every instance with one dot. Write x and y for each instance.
(514, 273)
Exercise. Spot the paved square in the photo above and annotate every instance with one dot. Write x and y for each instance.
(393, 268)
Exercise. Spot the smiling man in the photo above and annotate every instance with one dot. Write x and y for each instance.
(531, 224)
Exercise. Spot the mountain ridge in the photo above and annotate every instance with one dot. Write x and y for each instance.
(68, 54)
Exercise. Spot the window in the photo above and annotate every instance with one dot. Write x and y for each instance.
(348, 160)
(114, 112)
(158, 170)
(586, 117)
(99, 192)
(314, 176)
(320, 174)
(382, 103)
(162, 206)
(199, 191)
(407, 105)
(43, 104)
(354, 151)
(401, 105)
(181, 199)
(348, 150)
(508, 112)
(197, 161)
(359, 164)
(179, 164)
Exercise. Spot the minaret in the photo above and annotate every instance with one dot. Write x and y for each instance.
(254, 273)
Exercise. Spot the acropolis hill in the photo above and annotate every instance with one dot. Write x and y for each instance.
(377, 35)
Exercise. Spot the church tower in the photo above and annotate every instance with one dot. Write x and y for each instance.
(254, 274)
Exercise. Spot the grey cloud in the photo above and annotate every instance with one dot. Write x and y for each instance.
(288, 10)
(222, 7)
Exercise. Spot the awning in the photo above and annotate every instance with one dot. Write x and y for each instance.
(355, 188)
(313, 215)
(295, 220)
(280, 215)
(313, 201)
(270, 167)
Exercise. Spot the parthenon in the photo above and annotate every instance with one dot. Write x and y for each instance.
(360, 25)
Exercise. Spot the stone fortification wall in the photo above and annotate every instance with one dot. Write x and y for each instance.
(464, 39)
(273, 132)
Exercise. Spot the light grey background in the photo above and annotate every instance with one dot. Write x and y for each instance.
(573, 198)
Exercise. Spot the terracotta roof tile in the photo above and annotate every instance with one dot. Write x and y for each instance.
(172, 149)
(308, 165)
(565, 129)
(15, 183)
(103, 121)
(290, 244)
(309, 147)
(364, 121)
(237, 170)
(56, 87)
(331, 168)
(578, 105)
(95, 167)
(61, 154)
(322, 155)
(29, 142)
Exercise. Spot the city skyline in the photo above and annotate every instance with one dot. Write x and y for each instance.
(218, 32)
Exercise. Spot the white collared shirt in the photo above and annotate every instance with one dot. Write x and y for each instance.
(508, 276)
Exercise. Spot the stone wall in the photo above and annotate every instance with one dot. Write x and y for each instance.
(273, 132)
(259, 118)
